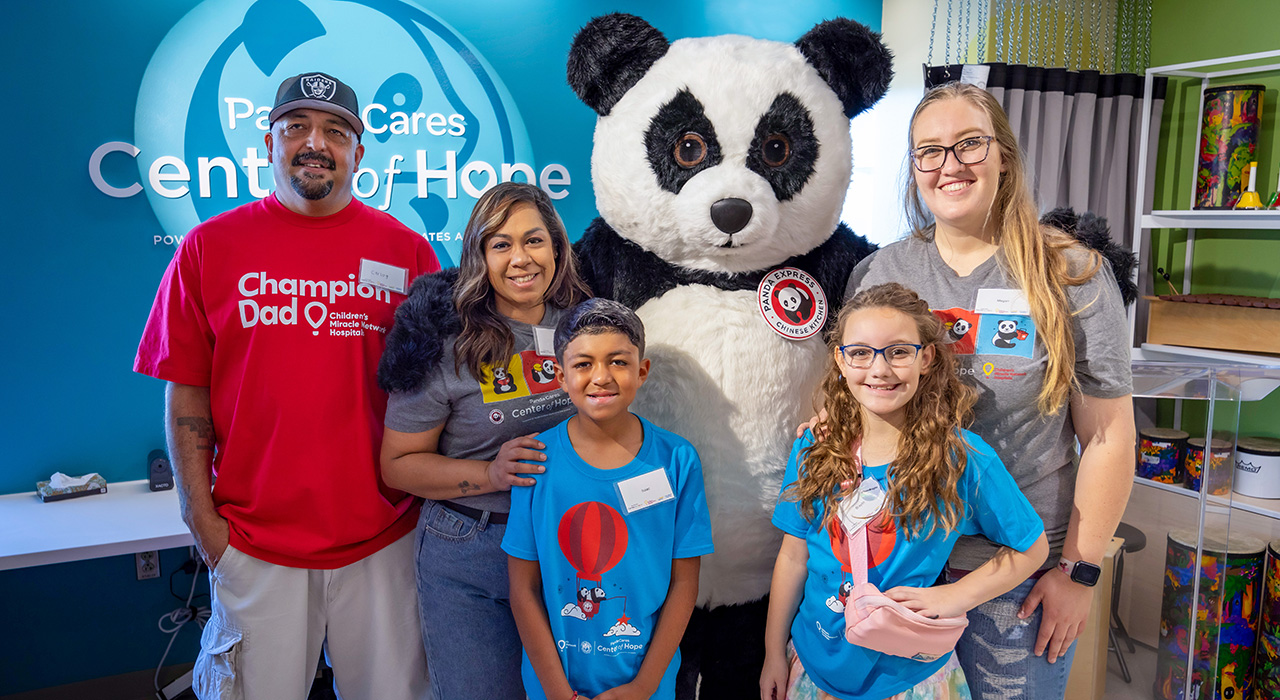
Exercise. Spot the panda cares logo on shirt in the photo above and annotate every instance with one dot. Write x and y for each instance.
(526, 374)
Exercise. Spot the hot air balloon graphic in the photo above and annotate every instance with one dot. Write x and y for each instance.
(593, 538)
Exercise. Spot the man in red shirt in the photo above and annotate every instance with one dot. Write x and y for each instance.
(268, 326)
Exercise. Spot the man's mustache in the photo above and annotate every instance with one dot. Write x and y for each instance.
(326, 161)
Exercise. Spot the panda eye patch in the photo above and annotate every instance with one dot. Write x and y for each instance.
(680, 142)
(776, 150)
(691, 150)
(785, 148)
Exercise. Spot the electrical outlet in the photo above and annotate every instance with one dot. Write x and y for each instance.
(148, 564)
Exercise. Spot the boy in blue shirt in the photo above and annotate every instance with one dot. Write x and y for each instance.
(604, 547)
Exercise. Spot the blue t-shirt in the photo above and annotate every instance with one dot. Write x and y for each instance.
(605, 572)
(994, 507)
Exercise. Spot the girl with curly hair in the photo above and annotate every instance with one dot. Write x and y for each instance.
(894, 458)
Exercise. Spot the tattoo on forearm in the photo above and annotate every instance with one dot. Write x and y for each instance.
(203, 429)
(467, 487)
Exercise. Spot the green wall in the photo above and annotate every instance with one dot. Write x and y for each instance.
(1226, 262)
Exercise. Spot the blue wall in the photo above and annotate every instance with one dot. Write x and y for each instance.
(81, 268)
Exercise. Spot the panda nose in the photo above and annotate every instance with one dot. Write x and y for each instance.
(731, 215)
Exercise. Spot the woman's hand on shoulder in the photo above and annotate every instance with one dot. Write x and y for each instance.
(505, 469)
(943, 600)
(812, 424)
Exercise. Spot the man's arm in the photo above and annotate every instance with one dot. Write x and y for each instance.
(672, 620)
(188, 429)
(535, 628)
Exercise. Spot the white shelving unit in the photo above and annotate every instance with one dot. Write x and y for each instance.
(1145, 220)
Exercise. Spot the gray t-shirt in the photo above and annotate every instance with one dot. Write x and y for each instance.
(997, 352)
(479, 416)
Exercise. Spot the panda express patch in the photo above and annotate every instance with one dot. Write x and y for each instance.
(792, 303)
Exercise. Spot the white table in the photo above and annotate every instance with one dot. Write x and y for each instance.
(128, 518)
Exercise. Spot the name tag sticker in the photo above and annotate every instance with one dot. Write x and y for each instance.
(544, 341)
(859, 507)
(389, 277)
(640, 492)
(1008, 302)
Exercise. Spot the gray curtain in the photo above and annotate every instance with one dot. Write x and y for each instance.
(1080, 131)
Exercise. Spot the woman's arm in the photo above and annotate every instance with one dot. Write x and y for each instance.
(672, 620)
(1106, 433)
(789, 573)
(411, 462)
(999, 575)
(535, 628)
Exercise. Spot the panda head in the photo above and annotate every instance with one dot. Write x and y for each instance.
(960, 327)
(725, 153)
(1007, 326)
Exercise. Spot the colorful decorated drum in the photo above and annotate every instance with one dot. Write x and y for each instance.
(1258, 467)
(1266, 673)
(1160, 453)
(1228, 137)
(1219, 472)
(1226, 622)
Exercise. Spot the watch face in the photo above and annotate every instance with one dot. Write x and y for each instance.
(1086, 573)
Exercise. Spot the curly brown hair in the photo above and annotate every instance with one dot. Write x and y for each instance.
(931, 449)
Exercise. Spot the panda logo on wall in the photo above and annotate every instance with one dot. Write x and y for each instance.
(544, 372)
(717, 162)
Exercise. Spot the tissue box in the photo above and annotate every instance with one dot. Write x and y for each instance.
(47, 493)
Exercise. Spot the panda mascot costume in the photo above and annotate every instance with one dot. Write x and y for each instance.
(720, 167)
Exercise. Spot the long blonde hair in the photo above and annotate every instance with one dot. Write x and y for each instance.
(485, 338)
(1033, 254)
(931, 452)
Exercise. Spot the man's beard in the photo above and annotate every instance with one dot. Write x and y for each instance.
(311, 189)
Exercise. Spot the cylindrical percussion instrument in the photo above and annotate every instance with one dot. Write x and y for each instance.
(1226, 619)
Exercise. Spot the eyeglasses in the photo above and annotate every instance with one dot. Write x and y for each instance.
(968, 151)
(863, 356)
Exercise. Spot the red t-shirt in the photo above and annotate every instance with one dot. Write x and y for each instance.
(265, 307)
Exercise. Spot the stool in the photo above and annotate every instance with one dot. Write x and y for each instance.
(1134, 541)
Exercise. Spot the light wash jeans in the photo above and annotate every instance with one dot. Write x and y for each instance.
(473, 647)
(997, 652)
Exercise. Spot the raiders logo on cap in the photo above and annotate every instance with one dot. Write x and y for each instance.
(318, 91)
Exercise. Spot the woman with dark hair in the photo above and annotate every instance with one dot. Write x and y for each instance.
(458, 437)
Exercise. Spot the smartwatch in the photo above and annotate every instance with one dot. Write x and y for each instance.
(1082, 572)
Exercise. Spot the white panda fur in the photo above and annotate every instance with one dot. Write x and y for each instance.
(729, 384)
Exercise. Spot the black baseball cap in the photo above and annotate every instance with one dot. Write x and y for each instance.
(318, 91)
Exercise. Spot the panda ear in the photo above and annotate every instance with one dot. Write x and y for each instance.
(610, 55)
(853, 61)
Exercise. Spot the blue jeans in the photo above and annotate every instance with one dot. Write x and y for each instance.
(470, 636)
(997, 652)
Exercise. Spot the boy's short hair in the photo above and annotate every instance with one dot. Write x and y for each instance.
(595, 316)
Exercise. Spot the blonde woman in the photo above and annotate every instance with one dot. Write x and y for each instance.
(1038, 328)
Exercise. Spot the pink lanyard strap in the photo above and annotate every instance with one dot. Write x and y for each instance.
(858, 543)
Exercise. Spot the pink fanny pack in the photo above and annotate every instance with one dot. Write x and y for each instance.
(877, 622)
